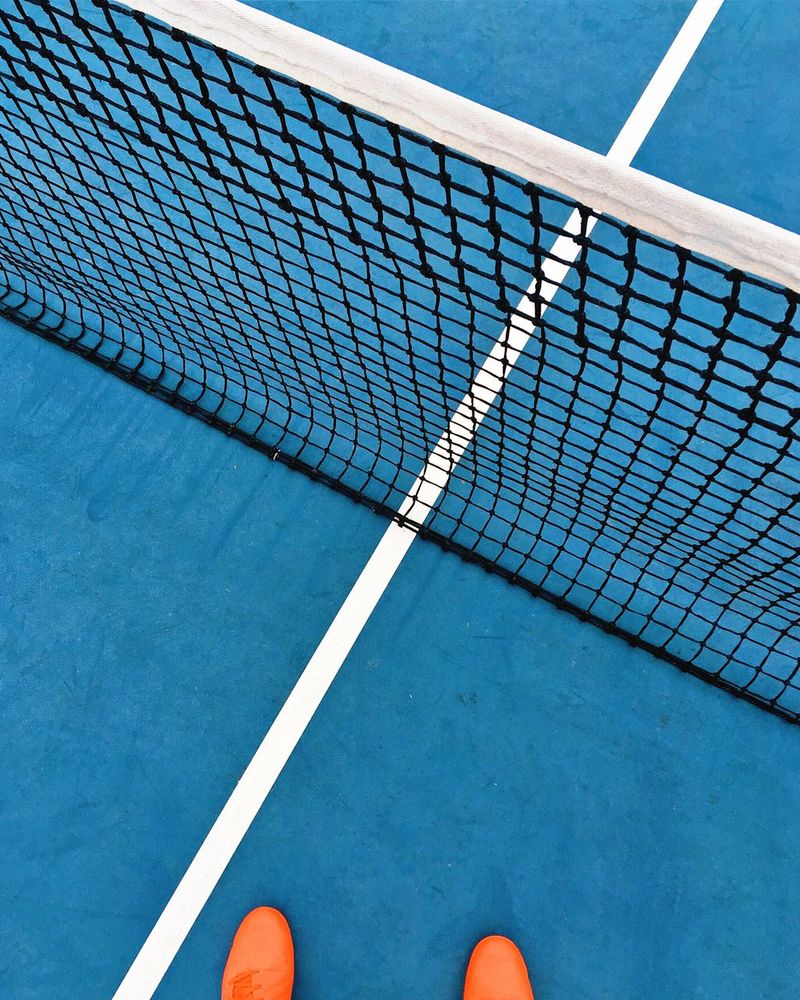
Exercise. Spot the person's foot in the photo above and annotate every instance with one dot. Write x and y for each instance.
(497, 971)
(260, 965)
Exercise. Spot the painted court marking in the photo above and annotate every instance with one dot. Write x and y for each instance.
(224, 837)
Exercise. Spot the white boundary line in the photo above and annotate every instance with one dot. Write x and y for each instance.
(224, 837)
(605, 185)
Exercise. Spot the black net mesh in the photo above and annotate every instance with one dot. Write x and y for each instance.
(325, 285)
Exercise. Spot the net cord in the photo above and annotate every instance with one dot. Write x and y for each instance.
(672, 213)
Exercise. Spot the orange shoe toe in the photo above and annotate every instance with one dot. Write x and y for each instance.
(497, 971)
(261, 961)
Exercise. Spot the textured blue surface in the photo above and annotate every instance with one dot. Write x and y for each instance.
(483, 762)
(486, 764)
(726, 132)
(162, 588)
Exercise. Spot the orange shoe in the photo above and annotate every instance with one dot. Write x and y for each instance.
(497, 971)
(261, 962)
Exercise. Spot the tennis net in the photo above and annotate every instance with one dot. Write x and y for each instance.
(331, 285)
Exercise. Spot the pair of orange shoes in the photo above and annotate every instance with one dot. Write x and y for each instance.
(261, 964)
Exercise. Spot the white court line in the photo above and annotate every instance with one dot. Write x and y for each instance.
(216, 851)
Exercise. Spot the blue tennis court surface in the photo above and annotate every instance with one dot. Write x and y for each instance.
(484, 762)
